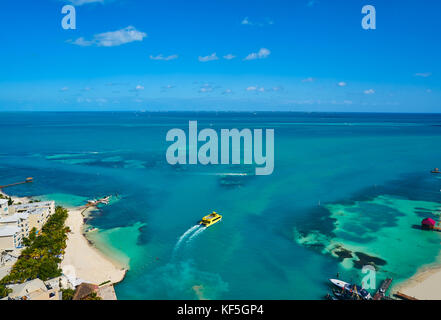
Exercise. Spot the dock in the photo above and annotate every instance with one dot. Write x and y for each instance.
(94, 203)
(28, 180)
(381, 293)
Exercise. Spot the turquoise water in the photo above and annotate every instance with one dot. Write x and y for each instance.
(353, 181)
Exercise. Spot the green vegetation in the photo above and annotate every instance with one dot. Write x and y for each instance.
(42, 256)
(68, 294)
(10, 201)
(92, 296)
(4, 291)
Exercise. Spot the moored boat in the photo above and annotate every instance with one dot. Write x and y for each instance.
(352, 289)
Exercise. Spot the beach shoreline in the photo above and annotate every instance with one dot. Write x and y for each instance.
(82, 259)
(424, 284)
(89, 263)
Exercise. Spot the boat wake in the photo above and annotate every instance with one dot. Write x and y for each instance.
(184, 236)
(196, 234)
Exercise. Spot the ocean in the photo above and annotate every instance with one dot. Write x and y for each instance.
(347, 190)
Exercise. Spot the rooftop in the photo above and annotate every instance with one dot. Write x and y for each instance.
(84, 290)
(14, 217)
(36, 210)
(7, 231)
(28, 206)
(24, 289)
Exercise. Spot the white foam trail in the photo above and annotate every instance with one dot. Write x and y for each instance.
(186, 234)
(194, 235)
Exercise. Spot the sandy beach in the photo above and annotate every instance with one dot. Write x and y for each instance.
(89, 263)
(424, 285)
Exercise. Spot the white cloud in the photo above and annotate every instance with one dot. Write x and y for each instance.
(112, 38)
(229, 56)
(255, 89)
(342, 84)
(211, 57)
(227, 91)
(139, 87)
(161, 57)
(246, 21)
(310, 79)
(423, 74)
(206, 88)
(369, 91)
(262, 54)
(64, 89)
(81, 42)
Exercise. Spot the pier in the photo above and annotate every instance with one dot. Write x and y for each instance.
(94, 203)
(28, 180)
(381, 293)
(404, 296)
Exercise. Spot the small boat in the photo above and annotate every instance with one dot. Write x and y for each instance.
(211, 219)
(330, 297)
(352, 289)
(436, 170)
(344, 295)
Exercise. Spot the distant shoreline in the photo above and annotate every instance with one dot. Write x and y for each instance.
(232, 111)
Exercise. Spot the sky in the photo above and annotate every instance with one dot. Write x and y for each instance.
(223, 55)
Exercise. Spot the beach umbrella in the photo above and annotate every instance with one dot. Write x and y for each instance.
(428, 222)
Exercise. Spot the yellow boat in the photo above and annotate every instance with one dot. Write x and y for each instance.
(211, 219)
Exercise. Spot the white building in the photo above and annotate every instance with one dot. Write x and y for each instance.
(10, 238)
(17, 221)
(50, 205)
(37, 217)
(20, 220)
(34, 290)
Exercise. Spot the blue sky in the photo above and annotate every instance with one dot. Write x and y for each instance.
(299, 55)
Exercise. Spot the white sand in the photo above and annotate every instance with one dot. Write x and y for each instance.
(89, 263)
(425, 285)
